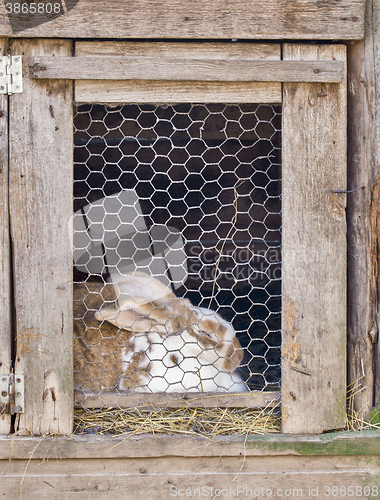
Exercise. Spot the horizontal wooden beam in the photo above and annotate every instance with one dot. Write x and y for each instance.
(147, 401)
(136, 68)
(186, 19)
(107, 447)
(180, 50)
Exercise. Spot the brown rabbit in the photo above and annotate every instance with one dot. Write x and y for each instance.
(132, 334)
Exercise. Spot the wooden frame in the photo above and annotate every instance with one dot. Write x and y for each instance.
(139, 466)
(314, 158)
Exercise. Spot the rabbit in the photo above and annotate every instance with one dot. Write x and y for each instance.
(133, 334)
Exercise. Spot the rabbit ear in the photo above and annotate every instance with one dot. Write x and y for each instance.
(141, 287)
(129, 320)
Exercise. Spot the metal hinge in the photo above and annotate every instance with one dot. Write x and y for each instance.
(11, 394)
(10, 75)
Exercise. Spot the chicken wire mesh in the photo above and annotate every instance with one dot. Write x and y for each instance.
(177, 251)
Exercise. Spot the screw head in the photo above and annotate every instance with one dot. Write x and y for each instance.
(18, 408)
(18, 380)
(4, 394)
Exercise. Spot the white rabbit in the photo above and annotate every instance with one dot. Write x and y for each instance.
(133, 334)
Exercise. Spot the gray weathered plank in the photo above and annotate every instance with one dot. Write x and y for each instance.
(146, 401)
(274, 19)
(162, 479)
(103, 466)
(150, 91)
(94, 446)
(5, 268)
(143, 91)
(180, 50)
(363, 213)
(208, 70)
(314, 250)
(168, 466)
(40, 212)
(375, 283)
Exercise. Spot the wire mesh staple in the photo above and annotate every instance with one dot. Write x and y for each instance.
(177, 249)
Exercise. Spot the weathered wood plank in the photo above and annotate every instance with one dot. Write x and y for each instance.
(363, 213)
(40, 212)
(150, 91)
(145, 401)
(365, 443)
(375, 299)
(5, 266)
(198, 477)
(115, 91)
(180, 50)
(208, 70)
(137, 467)
(314, 250)
(280, 19)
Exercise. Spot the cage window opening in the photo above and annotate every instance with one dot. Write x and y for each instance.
(191, 195)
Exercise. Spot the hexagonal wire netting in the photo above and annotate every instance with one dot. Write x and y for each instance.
(182, 199)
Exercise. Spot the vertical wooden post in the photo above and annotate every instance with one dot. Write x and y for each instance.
(5, 271)
(41, 166)
(363, 212)
(314, 249)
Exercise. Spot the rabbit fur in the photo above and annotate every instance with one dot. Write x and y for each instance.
(133, 334)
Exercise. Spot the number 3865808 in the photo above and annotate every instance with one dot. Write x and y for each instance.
(33, 8)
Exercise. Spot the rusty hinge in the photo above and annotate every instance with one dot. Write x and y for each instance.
(10, 75)
(11, 394)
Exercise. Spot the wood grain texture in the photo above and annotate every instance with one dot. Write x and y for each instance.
(208, 70)
(280, 19)
(171, 477)
(314, 250)
(146, 401)
(162, 92)
(151, 91)
(180, 50)
(333, 444)
(363, 213)
(375, 218)
(5, 268)
(41, 165)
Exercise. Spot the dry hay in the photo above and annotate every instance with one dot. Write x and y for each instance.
(190, 421)
(208, 422)
(354, 418)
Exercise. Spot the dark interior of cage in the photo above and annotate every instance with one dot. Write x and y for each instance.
(212, 174)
